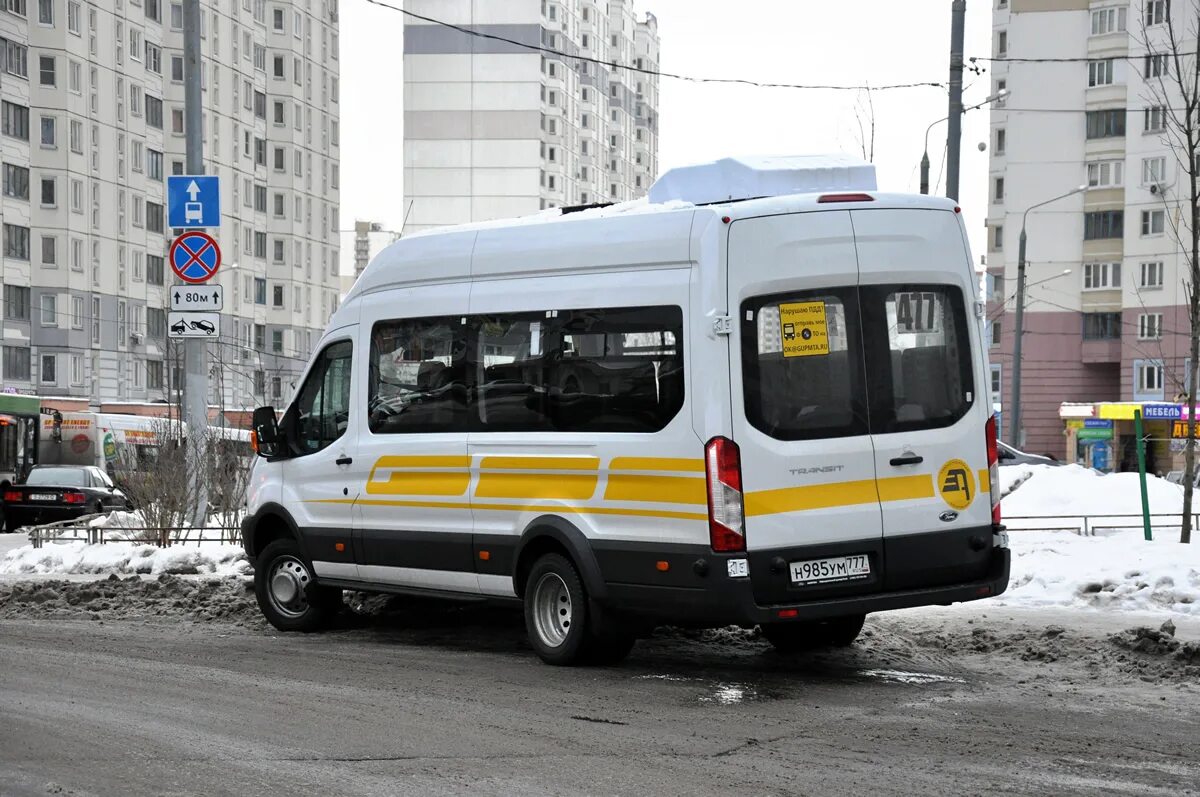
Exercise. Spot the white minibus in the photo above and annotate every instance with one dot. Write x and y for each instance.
(759, 398)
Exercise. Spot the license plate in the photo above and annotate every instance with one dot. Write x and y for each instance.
(42, 497)
(835, 568)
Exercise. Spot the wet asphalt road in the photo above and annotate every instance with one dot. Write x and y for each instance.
(158, 708)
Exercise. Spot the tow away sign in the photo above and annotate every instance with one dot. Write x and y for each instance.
(197, 297)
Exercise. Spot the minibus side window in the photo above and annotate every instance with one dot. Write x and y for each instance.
(926, 381)
(590, 370)
(802, 365)
(322, 409)
(417, 380)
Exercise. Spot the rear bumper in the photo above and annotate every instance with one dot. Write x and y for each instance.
(716, 599)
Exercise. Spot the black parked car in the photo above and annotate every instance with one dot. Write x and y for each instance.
(60, 492)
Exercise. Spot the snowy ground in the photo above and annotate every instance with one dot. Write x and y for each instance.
(208, 558)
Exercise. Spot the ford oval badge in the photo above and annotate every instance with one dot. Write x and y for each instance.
(948, 515)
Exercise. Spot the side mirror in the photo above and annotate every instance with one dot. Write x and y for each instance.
(265, 431)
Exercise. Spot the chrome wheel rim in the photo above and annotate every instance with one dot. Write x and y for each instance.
(287, 586)
(552, 610)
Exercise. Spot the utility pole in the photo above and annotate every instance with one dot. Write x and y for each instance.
(958, 14)
(195, 350)
(1015, 413)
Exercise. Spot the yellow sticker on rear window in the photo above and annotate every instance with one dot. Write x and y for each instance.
(802, 327)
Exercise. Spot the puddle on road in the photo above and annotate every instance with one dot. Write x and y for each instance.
(730, 694)
(903, 677)
(653, 677)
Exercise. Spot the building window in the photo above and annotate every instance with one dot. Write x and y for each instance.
(154, 217)
(1101, 326)
(49, 308)
(1101, 276)
(14, 120)
(45, 12)
(16, 302)
(1148, 376)
(49, 251)
(16, 58)
(998, 237)
(154, 117)
(154, 374)
(47, 74)
(260, 336)
(1152, 274)
(16, 181)
(1154, 171)
(153, 58)
(1001, 43)
(1155, 65)
(1154, 119)
(1149, 326)
(154, 269)
(49, 370)
(998, 189)
(156, 323)
(49, 192)
(1105, 174)
(1001, 137)
(1100, 73)
(277, 341)
(1108, 20)
(16, 362)
(49, 128)
(1103, 224)
(1153, 222)
(1106, 124)
(995, 333)
(1156, 12)
(277, 292)
(260, 291)
(16, 242)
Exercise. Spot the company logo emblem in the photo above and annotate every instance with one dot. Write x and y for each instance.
(956, 484)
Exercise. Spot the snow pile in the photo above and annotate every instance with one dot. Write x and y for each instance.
(1064, 494)
(1119, 570)
(217, 559)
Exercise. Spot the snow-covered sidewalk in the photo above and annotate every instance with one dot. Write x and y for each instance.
(125, 558)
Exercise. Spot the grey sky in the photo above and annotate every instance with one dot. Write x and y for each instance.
(796, 41)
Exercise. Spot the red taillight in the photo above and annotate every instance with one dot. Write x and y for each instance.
(844, 198)
(726, 520)
(74, 498)
(12, 495)
(993, 456)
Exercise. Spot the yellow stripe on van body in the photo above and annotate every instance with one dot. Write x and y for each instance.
(815, 496)
(669, 464)
(535, 462)
(421, 482)
(565, 486)
(985, 481)
(906, 488)
(656, 489)
(548, 508)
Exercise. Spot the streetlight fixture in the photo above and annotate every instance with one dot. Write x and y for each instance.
(1020, 319)
(999, 95)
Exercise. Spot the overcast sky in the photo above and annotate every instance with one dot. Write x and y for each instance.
(793, 41)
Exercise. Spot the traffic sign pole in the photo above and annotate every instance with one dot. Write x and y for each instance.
(195, 350)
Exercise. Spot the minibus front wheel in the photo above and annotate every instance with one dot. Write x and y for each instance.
(288, 594)
(562, 623)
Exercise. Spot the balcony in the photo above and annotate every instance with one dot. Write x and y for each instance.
(1107, 350)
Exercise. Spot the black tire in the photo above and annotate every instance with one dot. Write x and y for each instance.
(564, 627)
(836, 632)
(310, 606)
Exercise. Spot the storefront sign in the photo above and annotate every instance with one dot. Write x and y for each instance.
(1180, 429)
(1162, 412)
(1100, 456)
(1096, 423)
(1094, 434)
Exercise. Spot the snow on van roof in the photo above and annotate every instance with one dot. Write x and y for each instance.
(731, 179)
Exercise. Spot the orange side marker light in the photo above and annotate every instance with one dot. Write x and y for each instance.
(662, 567)
(339, 547)
(485, 555)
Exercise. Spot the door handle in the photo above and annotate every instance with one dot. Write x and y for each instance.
(911, 459)
(343, 460)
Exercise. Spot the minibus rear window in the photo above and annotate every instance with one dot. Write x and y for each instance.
(803, 365)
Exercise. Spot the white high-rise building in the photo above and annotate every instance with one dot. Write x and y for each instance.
(93, 121)
(493, 129)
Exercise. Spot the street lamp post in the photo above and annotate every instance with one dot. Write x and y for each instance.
(1019, 329)
(999, 95)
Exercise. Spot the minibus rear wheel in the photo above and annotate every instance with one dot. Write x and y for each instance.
(563, 625)
(287, 591)
(835, 632)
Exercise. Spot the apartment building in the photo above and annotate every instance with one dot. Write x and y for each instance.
(1114, 328)
(93, 120)
(493, 129)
